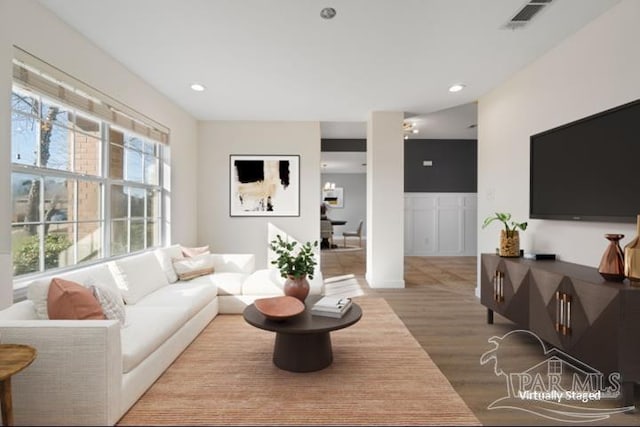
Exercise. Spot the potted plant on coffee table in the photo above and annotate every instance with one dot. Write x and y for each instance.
(295, 264)
(509, 236)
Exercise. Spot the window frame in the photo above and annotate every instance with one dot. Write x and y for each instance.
(104, 181)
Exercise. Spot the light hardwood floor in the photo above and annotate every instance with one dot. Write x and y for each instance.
(440, 309)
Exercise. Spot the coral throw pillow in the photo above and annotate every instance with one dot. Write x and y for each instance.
(69, 300)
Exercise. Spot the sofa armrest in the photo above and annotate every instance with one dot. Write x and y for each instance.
(234, 263)
(77, 374)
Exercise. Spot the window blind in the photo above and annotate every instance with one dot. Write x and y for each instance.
(34, 74)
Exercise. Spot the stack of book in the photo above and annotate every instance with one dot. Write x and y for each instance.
(331, 306)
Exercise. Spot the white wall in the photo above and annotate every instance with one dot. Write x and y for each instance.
(440, 224)
(595, 69)
(217, 140)
(6, 288)
(355, 202)
(28, 25)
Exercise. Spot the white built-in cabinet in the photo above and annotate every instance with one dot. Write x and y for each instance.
(440, 224)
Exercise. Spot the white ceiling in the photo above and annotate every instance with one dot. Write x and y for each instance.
(278, 60)
(453, 123)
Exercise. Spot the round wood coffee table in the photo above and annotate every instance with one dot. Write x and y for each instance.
(303, 343)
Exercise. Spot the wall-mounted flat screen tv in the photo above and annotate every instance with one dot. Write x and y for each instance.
(588, 170)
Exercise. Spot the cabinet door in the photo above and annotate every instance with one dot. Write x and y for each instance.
(504, 288)
(595, 327)
(571, 319)
(543, 319)
(575, 316)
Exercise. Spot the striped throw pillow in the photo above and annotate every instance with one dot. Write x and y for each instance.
(112, 305)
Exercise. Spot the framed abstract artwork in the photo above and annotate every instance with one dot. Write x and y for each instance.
(264, 185)
(333, 197)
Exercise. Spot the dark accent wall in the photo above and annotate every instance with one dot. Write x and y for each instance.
(454, 169)
(343, 144)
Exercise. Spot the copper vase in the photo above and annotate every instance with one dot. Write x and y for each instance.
(297, 287)
(632, 257)
(612, 263)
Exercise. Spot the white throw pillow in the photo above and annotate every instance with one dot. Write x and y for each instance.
(138, 275)
(189, 268)
(99, 280)
(37, 292)
(165, 257)
(111, 303)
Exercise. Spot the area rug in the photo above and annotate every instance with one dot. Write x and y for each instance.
(379, 376)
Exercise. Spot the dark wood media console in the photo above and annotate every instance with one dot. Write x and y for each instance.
(570, 307)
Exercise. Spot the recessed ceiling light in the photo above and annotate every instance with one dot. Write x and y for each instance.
(456, 87)
(406, 137)
(197, 87)
(328, 13)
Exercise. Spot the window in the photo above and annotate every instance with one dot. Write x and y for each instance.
(83, 188)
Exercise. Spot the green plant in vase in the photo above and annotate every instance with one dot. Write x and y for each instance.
(509, 236)
(295, 264)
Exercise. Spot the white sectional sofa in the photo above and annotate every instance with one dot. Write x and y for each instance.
(90, 372)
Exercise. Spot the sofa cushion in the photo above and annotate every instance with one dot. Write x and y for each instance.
(226, 283)
(191, 295)
(99, 274)
(149, 328)
(21, 310)
(69, 300)
(138, 276)
(112, 304)
(234, 263)
(165, 258)
(190, 268)
(264, 282)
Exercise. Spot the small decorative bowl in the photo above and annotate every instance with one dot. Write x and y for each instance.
(279, 308)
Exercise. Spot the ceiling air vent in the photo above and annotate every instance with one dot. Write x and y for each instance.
(526, 14)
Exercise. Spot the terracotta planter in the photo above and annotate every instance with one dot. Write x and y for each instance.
(297, 287)
(509, 244)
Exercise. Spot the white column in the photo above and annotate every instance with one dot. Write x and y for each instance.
(385, 200)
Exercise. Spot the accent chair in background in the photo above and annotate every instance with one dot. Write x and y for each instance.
(357, 233)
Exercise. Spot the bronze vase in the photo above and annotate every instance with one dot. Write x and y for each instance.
(612, 263)
(297, 287)
(632, 257)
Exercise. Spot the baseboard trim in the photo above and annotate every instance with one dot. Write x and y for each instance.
(387, 284)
